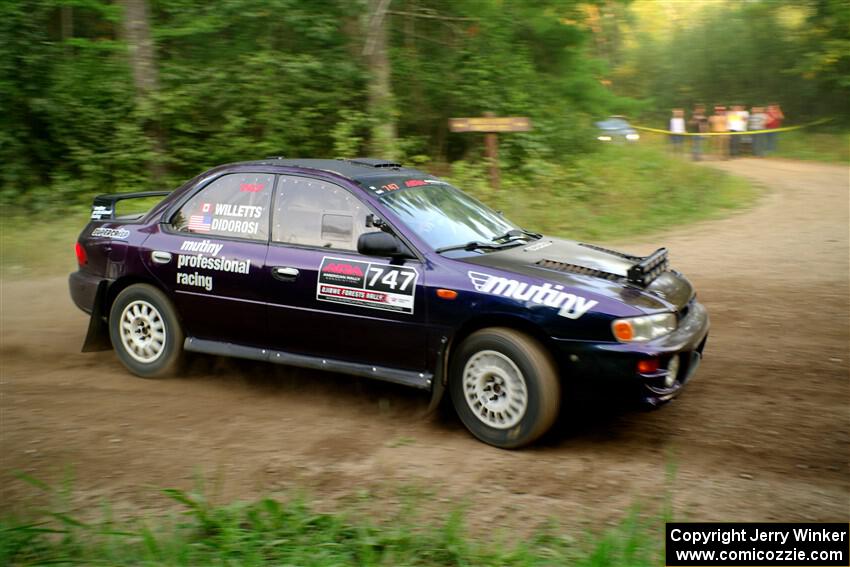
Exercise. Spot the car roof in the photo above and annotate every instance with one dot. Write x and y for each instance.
(356, 169)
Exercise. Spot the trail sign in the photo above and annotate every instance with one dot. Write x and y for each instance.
(491, 125)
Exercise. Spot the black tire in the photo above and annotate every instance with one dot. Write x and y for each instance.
(170, 353)
(538, 371)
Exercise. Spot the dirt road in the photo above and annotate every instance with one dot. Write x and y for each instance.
(761, 434)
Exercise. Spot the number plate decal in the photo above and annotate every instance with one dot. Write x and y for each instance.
(367, 284)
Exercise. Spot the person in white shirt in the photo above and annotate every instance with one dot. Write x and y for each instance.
(677, 127)
(738, 118)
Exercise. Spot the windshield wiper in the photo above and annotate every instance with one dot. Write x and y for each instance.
(517, 233)
(469, 246)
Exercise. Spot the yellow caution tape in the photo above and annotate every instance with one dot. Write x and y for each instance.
(746, 132)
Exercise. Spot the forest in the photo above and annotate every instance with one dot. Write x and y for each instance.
(99, 96)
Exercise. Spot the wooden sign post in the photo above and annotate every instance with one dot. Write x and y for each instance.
(491, 125)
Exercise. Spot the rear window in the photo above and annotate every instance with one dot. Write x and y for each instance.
(234, 205)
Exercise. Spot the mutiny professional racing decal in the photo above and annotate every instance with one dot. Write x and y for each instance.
(367, 284)
(213, 262)
(568, 305)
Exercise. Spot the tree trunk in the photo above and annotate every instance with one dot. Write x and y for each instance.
(137, 34)
(66, 20)
(381, 105)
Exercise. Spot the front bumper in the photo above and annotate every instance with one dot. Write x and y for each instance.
(610, 368)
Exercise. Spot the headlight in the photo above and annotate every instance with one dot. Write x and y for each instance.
(643, 328)
(603, 138)
(633, 137)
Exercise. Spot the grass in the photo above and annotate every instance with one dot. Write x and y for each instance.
(31, 245)
(617, 192)
(274, 532)
(620, 191)
(824, 144)
(815, 146)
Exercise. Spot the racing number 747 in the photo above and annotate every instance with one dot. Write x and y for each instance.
(390, 278)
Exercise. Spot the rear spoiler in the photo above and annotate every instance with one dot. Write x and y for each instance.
(103, 207)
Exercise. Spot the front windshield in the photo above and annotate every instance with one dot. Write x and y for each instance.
(444, 216)
(613, 124)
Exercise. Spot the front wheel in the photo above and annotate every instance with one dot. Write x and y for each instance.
(504, 386)
(145, 331)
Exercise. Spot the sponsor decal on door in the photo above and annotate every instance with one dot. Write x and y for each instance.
(367, 284)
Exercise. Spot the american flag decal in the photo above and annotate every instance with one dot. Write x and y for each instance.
(200, 223)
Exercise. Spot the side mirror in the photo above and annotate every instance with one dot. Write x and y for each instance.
(381, 244)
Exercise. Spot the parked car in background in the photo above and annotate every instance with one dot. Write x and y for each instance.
(616, 129)
(368, 268)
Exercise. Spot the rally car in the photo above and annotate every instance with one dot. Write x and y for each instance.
(365, 267)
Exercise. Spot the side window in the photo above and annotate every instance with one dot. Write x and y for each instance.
(317, 213)
(235, 205)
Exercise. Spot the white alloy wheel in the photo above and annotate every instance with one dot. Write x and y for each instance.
(495, 389)
(142, 331)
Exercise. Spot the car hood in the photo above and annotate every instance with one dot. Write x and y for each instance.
(590, 268)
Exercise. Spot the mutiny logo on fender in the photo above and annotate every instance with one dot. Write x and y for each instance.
(342, 272)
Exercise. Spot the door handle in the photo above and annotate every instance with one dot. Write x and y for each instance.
(284, 273)
(161, 257)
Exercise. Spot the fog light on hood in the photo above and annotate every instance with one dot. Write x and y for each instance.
(644, 328)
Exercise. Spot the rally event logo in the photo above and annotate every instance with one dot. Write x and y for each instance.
(568, 305)
(366, 284)
(343, 272)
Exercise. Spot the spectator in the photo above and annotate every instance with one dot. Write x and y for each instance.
(757, 121)
(677, 127)
(717, 122)
(699, 123)
(737, 122)
(774, 120)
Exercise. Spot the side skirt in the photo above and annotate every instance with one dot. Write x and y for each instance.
(418, 380)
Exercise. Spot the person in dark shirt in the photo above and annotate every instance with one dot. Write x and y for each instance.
(699, 124)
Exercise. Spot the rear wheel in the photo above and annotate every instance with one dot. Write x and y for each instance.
(145, 331)
(504, 386)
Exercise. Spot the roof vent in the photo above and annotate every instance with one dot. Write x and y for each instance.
(374, 162)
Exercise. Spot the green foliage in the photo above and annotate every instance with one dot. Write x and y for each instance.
(292, 533)
(730, 52)
(817, 146)
(620, 191)
(249, 78)
(245, 79)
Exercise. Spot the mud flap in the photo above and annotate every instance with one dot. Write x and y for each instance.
(97, 337)
(438, 386)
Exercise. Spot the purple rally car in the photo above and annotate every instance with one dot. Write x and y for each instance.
(368, 268)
